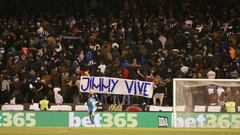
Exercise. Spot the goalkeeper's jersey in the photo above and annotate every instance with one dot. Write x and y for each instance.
(92, 103)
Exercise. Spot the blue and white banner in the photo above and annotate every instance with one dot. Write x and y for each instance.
(119, 86)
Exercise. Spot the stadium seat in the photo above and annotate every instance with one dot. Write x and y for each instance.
(160, 108)
(34, 107)
(60, 108)
(12, 107)
(199, 108)
(81, 108)
(180, 108)
(214, 109)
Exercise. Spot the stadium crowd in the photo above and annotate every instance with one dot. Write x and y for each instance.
(45, 46)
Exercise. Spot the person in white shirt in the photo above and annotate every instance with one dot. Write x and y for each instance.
(102, 67)
(163, 40)
(13, 101)
(57, 96)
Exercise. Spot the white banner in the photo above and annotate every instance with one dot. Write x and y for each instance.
(119, 86)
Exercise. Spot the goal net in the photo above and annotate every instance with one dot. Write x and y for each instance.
(203, 95)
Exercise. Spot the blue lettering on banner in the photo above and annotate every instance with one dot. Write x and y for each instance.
(145, 89)
(101, 84)
(87, 86)
(104, 87)
(140, 87)
(114, 83)
(137, 87)
(110, 85)
(97, 86)
(129, 88)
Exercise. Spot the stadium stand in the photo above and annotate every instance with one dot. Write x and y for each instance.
(46, 46)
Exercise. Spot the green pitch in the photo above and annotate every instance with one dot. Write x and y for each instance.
(115, 131)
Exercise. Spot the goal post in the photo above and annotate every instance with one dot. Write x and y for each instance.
(202, 95)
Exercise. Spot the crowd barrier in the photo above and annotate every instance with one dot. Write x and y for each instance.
(133, 116)
(81, 119)
(113, 108)
(118, 119)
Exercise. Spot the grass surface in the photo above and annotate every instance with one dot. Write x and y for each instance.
(116, 131)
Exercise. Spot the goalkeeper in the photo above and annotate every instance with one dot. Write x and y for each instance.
(92, 104)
